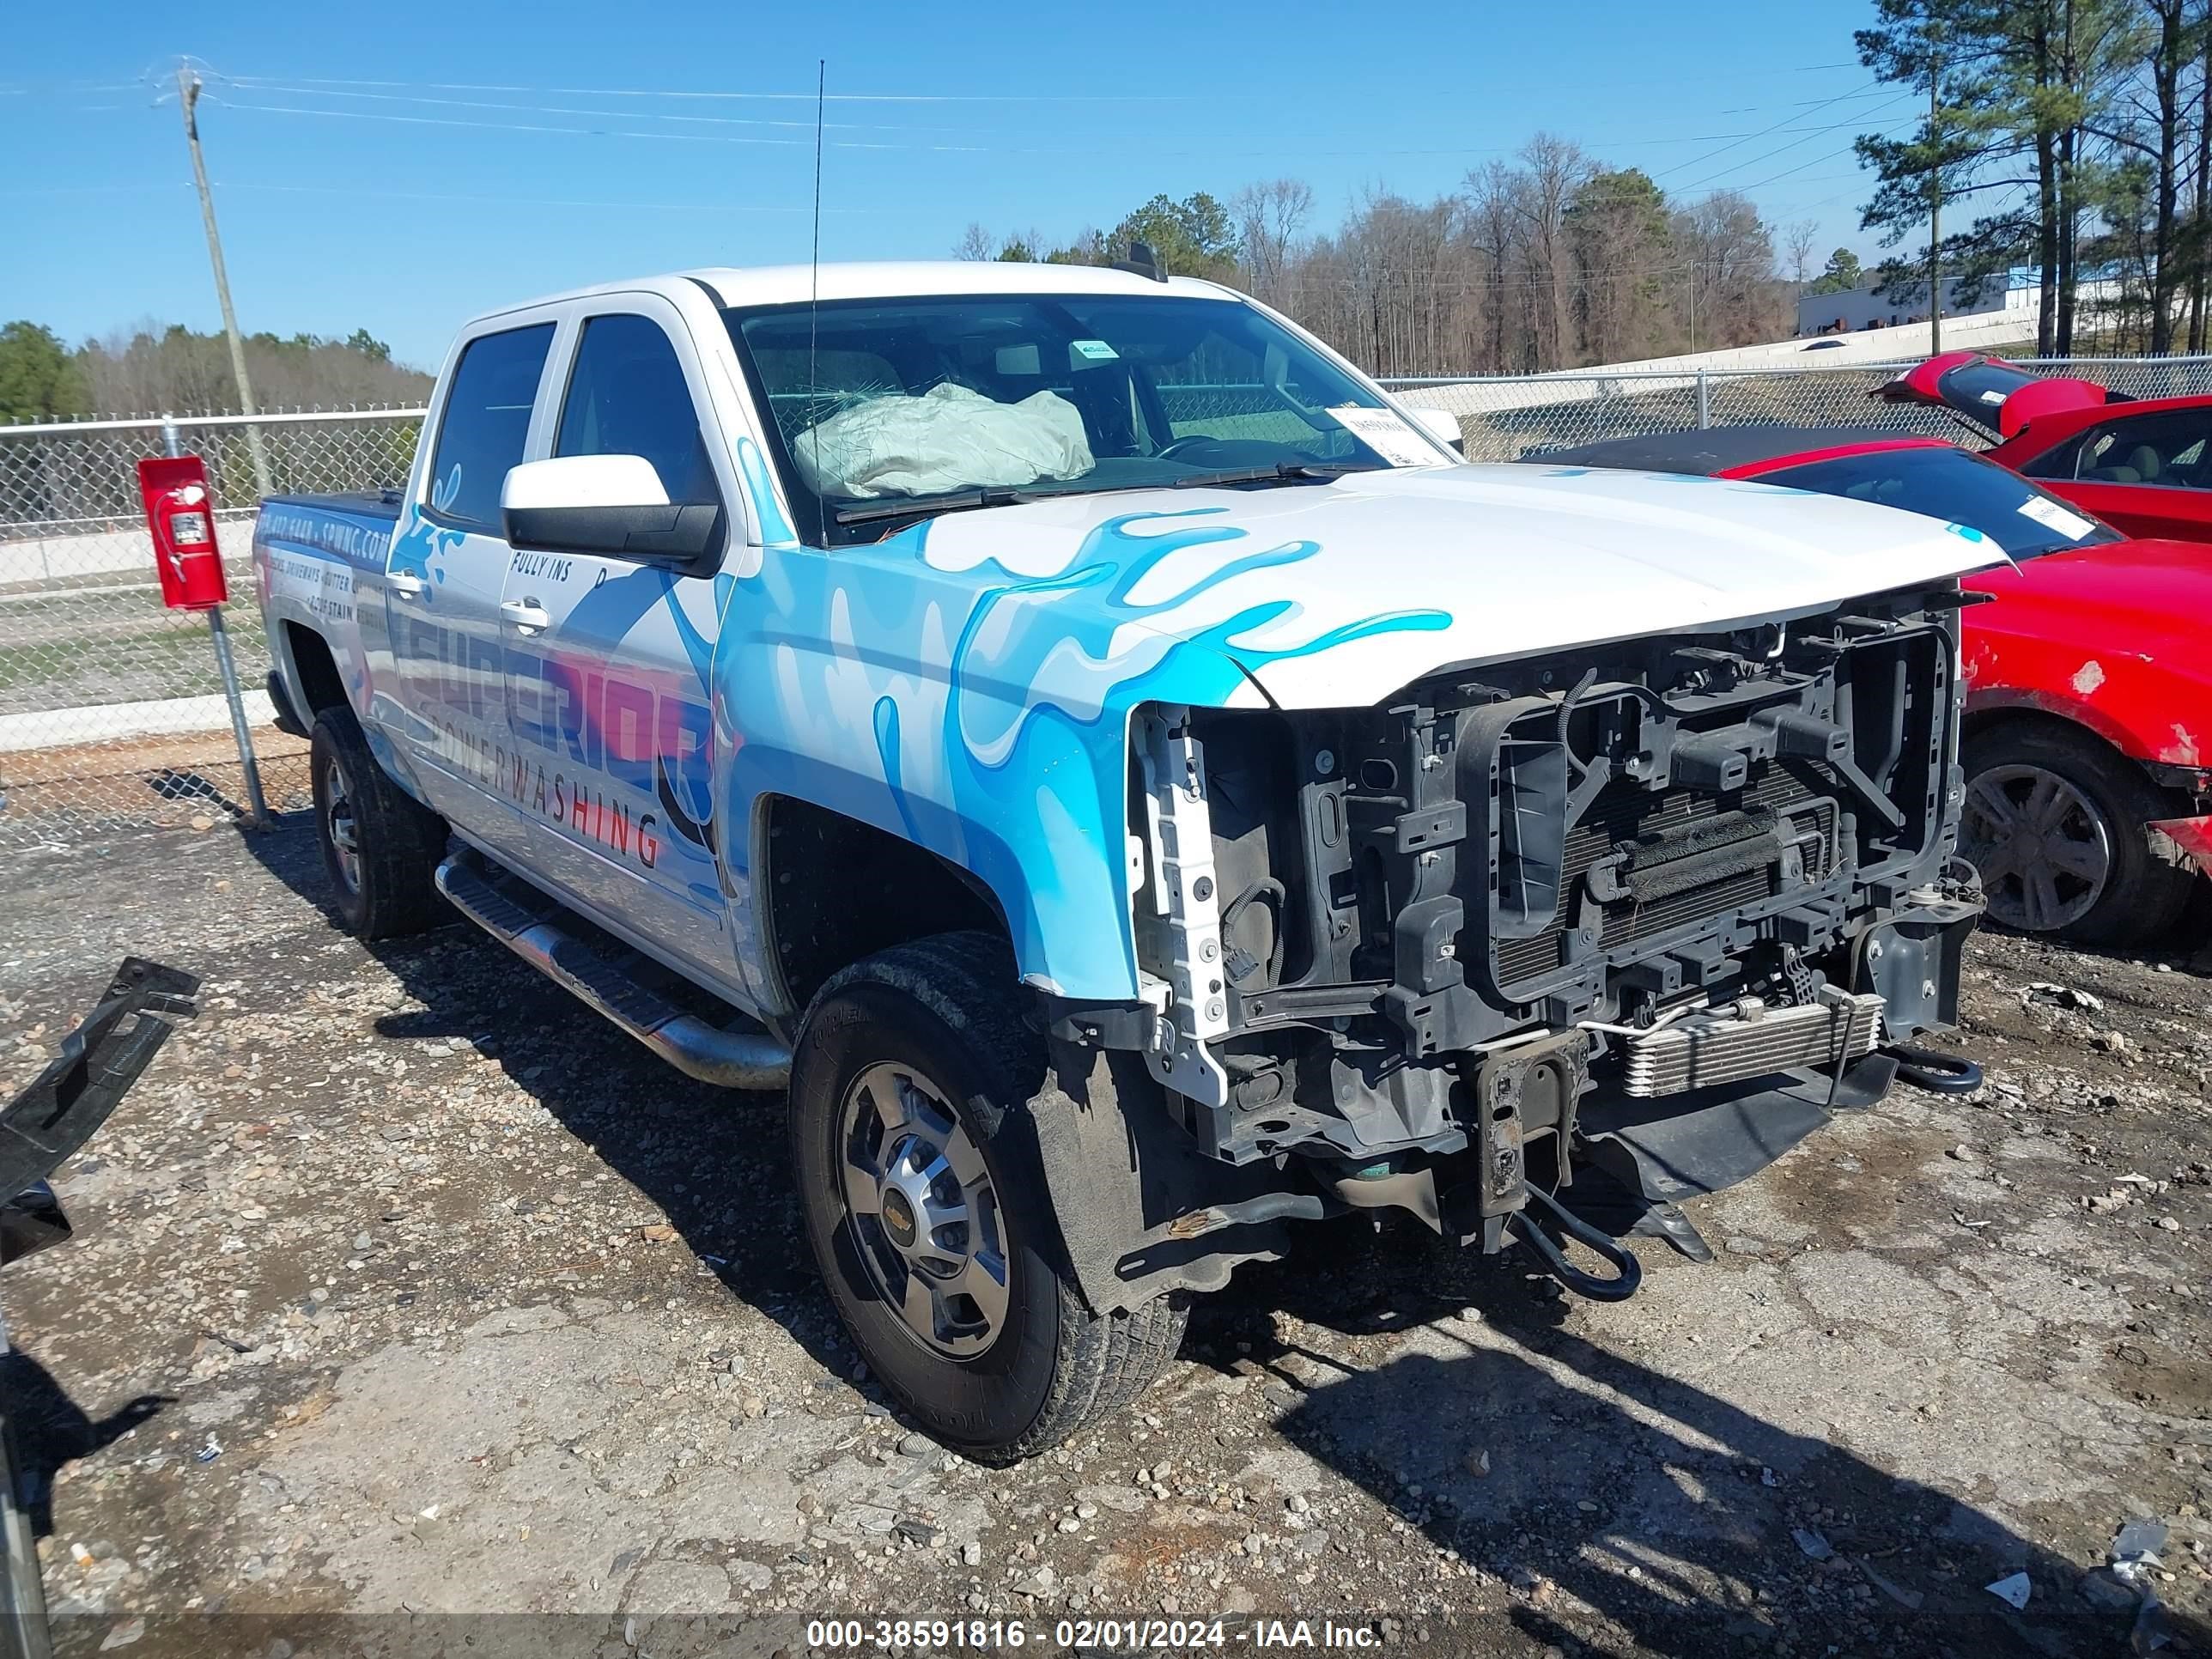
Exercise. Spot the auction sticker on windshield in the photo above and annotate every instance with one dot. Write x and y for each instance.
(1382, 431)
(2051, 516)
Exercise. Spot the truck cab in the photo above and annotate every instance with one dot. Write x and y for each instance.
(1131, 785)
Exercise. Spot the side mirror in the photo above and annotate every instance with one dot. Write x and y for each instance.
(1439, 423)
(611, 505)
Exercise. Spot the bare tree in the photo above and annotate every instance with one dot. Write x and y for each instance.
(1798, 244)
(1552, 170)
(1269, 218)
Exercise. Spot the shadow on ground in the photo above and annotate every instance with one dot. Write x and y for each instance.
(1607, 1494)
(51, 1430)
(1611, 1497)
(715, 1162)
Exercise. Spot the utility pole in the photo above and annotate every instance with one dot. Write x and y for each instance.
(188, 95)
(1935, 208)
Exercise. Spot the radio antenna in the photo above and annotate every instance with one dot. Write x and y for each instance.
(814, 308)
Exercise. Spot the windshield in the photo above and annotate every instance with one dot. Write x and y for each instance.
(966, 400)
(1948, 484)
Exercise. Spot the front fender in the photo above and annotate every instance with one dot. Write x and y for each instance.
(980, 708)
(2153, 707)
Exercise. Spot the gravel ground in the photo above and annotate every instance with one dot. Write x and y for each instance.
(414, 1310)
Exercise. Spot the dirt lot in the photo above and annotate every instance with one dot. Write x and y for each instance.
(412, 1311)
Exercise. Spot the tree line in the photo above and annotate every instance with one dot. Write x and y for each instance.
(2073, 136)
(158, 369)
(1550, 260)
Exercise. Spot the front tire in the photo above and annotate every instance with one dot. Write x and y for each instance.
(927, 1211)
(380, 844)
(2056, 821)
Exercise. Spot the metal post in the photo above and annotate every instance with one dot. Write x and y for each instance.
(188, 93)
(1704, 402)
(257, 808)
(1935, 211)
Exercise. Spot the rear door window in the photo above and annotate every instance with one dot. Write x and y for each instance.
(627, 395)
(485, 424)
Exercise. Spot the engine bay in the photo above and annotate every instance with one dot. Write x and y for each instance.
(1424, 938)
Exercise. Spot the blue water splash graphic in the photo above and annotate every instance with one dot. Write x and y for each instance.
(982, 711)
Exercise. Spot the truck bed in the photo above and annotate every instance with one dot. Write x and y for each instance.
(354, 528)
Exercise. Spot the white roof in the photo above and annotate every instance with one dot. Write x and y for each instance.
(768, 285)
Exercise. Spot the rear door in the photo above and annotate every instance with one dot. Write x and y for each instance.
(609, 717)
(2149, 475)
(444, 575)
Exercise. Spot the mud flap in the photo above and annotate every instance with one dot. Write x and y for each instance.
(1140, 1210)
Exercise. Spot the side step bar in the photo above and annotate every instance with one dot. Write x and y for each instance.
(733, 1058)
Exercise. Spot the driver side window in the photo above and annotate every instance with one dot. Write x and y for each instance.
(627, 395)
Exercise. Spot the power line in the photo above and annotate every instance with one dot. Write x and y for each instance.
(780, 97)
(565, 109)
(1697, 160)
(1209, 153)
(367, 193)
(504, 126)
(1859, 121)
(1791, 173)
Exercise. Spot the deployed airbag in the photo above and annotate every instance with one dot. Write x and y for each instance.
(948, 437)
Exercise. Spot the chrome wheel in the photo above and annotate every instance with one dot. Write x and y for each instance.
(2043, 849)
(339, 824)
(923, 1213)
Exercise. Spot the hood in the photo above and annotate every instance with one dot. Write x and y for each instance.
(1336, 595)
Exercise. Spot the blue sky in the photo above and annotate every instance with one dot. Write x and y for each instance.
(399, 167)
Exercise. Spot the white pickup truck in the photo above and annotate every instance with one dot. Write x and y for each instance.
(1132, 783)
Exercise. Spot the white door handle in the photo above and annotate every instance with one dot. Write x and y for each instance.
(404, 586)
(524, 614)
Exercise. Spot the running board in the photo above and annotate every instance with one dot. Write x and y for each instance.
(738, 1059)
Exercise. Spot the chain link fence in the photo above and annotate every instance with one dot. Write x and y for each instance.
(111, 706)
(1502, 419)
(112, 711)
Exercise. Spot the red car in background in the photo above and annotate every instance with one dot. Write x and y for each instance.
(2142, 465)
(2088, 738)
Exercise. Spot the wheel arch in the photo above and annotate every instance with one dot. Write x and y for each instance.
(314, 670)
(831, 889)
(2005, 709)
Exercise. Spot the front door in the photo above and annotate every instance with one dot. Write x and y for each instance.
(608, 708)
(443, 580)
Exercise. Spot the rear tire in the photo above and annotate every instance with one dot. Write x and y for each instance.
(380, 844)
(2055, 820)
(917, 1059)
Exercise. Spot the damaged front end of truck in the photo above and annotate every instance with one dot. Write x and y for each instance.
(1604, 929)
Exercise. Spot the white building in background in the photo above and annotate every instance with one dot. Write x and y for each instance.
(2015, 296)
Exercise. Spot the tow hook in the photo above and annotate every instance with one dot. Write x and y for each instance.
(1935, 1070)
(1628, 1271)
